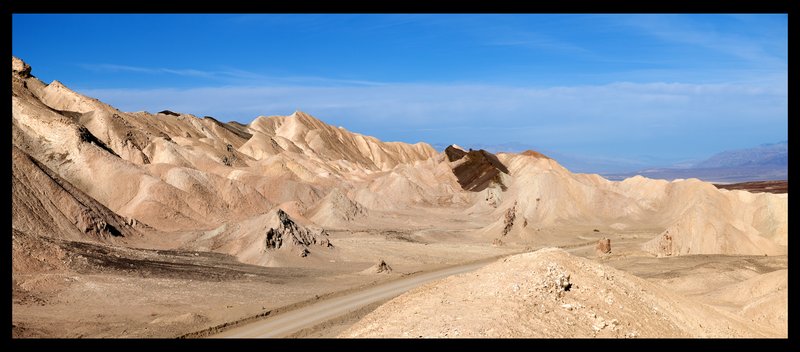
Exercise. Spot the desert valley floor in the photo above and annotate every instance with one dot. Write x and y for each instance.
(139, 224)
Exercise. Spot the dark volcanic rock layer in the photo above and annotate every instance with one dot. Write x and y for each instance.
(479, 169)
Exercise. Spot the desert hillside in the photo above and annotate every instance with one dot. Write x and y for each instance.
(162, 224)
(550, 293)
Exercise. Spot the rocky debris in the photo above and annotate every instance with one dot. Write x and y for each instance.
(508, 220)
(20, 68)
(493, 196)
(599, 323)
(228, 161)
(93, 225)
(603, 246)
(382, 267)
(555, 280)
(513, 297)
(231, 159)
(662, 244)
(288, 233)
(45, 204)
(478, 170)
(497, 242)
(131, 222)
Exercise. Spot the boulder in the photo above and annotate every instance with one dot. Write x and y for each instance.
(603, 246)
(20, 67)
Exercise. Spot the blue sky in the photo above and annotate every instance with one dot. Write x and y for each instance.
(601, 93)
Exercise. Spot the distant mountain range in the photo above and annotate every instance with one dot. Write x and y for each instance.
(764, 162)
(765, 155)
(761, 163)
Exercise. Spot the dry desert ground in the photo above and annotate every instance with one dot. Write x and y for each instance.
(140, 224)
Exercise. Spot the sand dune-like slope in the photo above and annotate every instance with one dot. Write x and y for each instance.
(549, 293)
(179, 172)
(44, 204)
(301, 133)
(271, 239)
(105, 196)
(337, 210)
(697, 217)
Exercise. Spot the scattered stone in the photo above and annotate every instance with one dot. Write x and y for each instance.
(286, 231)
(562, 281)
(511, 214)
(382, 267)
(603, 246)
(556, 280)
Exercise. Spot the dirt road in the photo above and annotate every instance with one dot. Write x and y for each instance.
(308, 316)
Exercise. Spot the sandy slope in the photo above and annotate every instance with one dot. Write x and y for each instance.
(45, 204)
(523, 295)
(84, 171)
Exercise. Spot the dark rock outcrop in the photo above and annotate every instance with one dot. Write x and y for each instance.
(454, 153)
(382, 267)
(168, 112)
(508, 220)
(289, 234)
(478, 170)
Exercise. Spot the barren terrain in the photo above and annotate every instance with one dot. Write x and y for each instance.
(758, 186)
(134, 224)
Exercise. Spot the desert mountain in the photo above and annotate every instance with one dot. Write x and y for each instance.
(476, 169)
(47, 205)
(763, 162)
(109, 204)
(178, 172)
(773, 154)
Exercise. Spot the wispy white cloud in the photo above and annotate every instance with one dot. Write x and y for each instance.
(685, 30)
(152, 70)
(233, 75)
